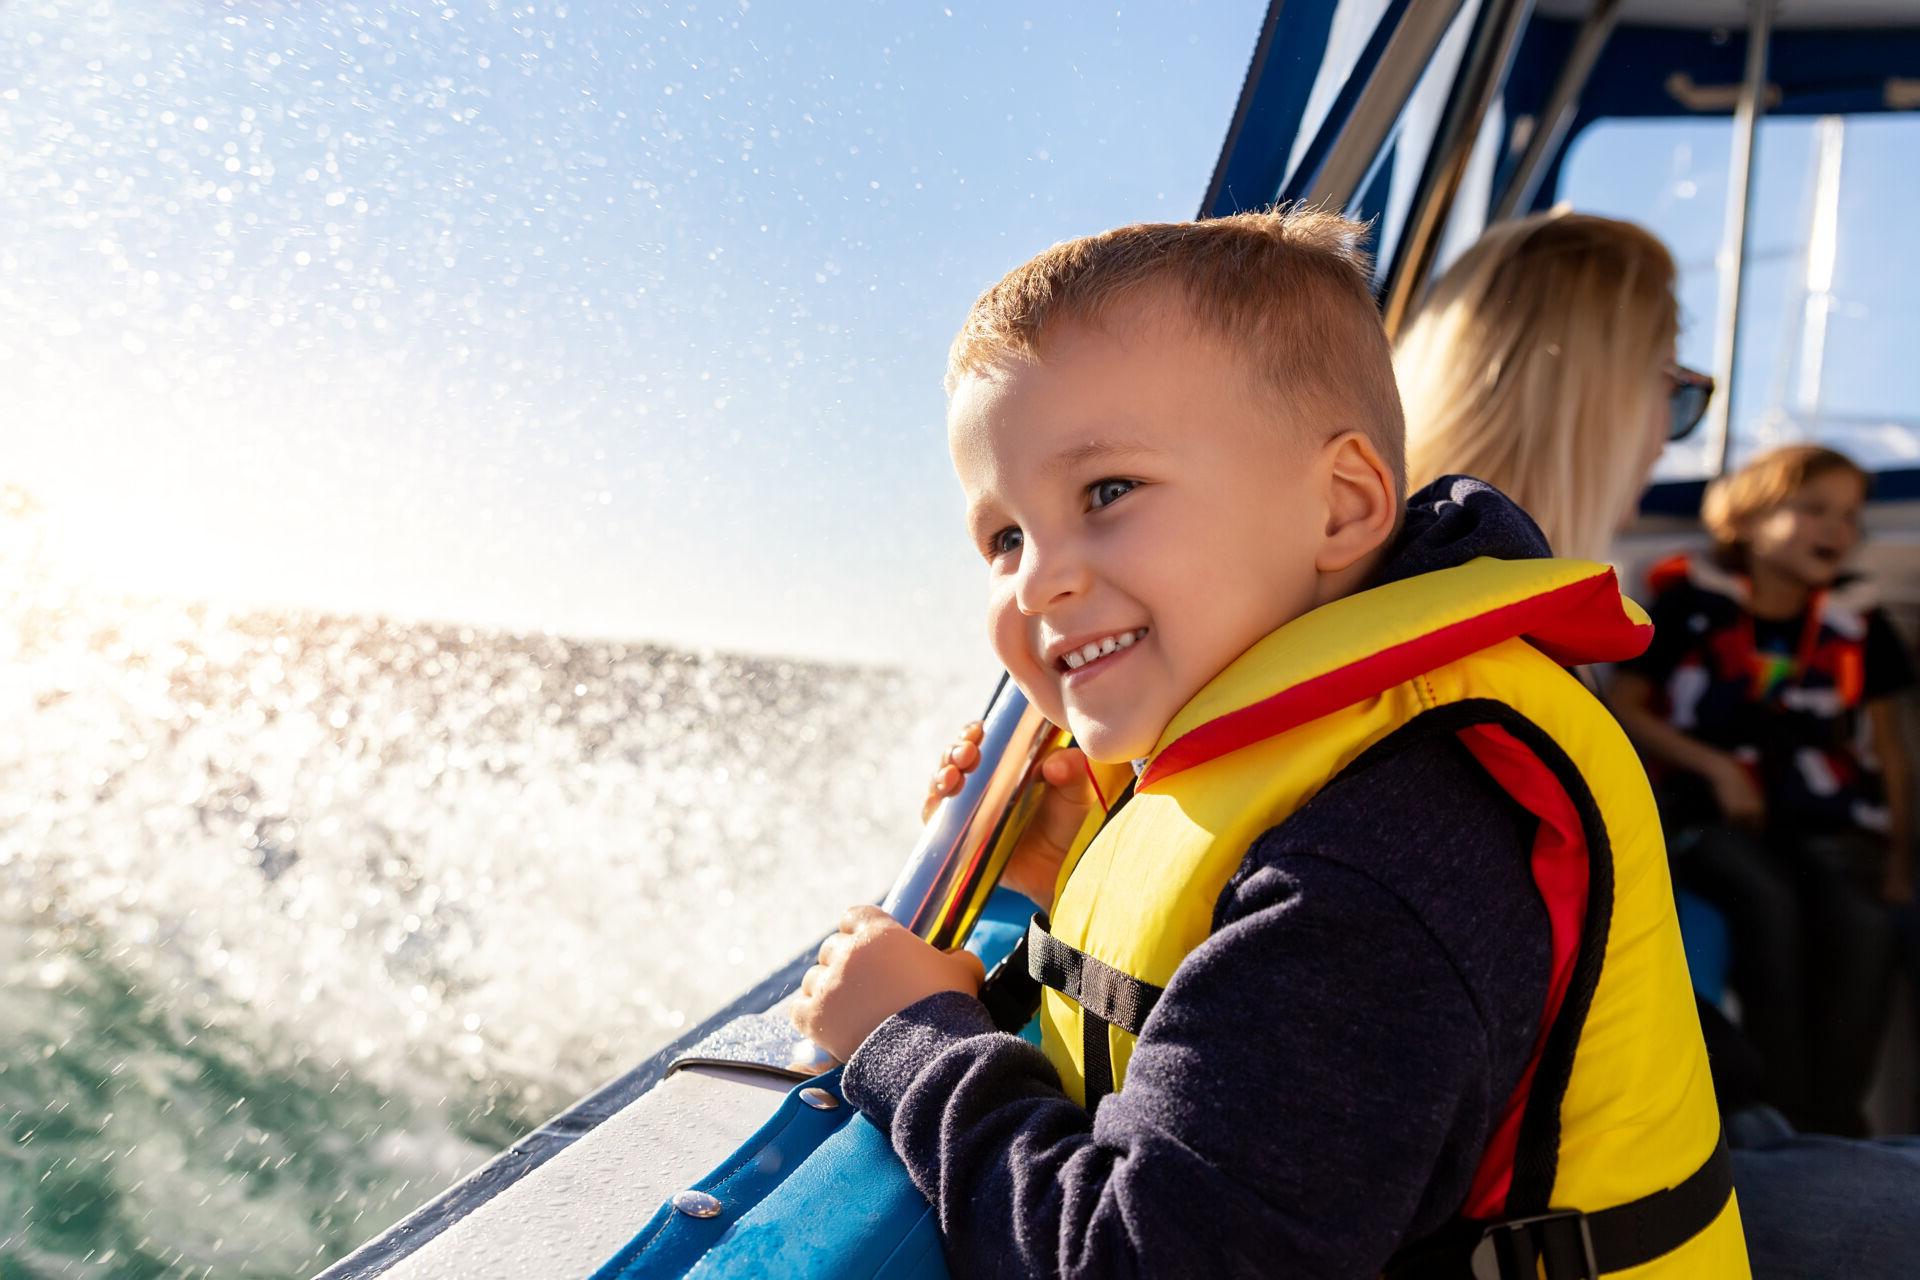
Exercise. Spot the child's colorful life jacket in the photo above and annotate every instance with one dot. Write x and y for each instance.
(1793, 719)
(1617, 1107)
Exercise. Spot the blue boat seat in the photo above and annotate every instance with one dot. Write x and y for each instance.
(814, 1194)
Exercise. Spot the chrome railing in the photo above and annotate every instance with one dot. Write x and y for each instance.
(967, 841)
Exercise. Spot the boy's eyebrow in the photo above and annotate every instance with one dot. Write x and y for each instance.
(1076, 456)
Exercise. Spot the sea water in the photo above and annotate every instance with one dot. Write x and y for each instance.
(303, 916)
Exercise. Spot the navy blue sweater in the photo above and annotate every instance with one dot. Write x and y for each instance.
(1315, 1087)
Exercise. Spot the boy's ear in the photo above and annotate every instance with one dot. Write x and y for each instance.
(1363, 503)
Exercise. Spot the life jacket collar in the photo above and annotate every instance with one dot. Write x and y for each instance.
(1843, 605)
(1358, 646)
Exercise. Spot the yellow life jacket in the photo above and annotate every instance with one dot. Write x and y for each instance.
(1617, 1104)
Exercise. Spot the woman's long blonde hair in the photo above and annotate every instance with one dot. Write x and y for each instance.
(1529, 366)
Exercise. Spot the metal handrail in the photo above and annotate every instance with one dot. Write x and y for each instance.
(966, 842)
(1733, 236)
(1496, 33)
(1352, 138)
(1556, 115)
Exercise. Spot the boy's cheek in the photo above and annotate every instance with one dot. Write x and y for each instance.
(1032, 679)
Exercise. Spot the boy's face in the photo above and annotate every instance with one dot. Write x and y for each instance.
(1146, 516)
(1809, 536)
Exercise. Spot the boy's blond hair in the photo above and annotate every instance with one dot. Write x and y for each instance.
(1761, 485)
(1531, 365)
(1289, 288)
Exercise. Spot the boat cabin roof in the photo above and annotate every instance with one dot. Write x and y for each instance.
(1435, 117)
(1732, 15)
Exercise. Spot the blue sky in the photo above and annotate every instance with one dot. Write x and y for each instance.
(546, 317)
(605, 319)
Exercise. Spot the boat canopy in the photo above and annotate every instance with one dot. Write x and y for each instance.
(1434, 118)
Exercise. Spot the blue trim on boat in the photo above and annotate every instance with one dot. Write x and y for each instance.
(1313, 159)
(1832, 71)
(813, 1195)
(1253, 160)
(671, 1241)
(1002, 922)
(550, 1139)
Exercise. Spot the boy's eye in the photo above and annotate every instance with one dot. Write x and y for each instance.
(1003, 542)
(1106, 492)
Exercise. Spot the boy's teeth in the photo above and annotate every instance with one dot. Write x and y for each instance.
(1078, 658)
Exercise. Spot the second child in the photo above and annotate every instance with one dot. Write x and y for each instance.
(1765, 705)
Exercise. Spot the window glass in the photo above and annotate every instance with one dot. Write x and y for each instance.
(1828, 309)
(1418, 123)
(480, 581)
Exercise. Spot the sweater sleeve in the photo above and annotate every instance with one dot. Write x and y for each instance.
(1312, 1091)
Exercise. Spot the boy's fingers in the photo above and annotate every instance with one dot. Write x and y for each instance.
(944, 782)
(963, 755)
(968, 737)
(862, 915)
(803, 1016)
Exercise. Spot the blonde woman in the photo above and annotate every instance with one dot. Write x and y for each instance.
(1542, 362)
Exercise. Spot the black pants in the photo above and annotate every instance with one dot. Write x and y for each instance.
(1907, 929)
(1813, 956)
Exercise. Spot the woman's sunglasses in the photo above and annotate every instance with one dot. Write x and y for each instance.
(1687, 402)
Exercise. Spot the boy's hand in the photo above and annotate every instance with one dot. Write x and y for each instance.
(957, 759)
(1740, 800)
(867, 972)
(1035, 862)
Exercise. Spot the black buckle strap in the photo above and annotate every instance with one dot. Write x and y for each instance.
(1636, 1233)
(1107, 997)
(1010, 992)
(1516, 1248)
(1567, 1244)
(1107, 993)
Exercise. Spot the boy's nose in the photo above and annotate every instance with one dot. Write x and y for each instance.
(1048, 577)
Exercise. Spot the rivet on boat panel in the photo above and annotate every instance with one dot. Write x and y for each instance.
(696, 1204)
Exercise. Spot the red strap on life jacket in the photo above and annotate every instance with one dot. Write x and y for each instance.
(1576, 623)
(1560, 872)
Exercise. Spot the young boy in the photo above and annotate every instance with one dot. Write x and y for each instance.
(1766, 701)
(1382, 949)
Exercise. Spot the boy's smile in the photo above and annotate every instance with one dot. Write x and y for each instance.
(1147, 513)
